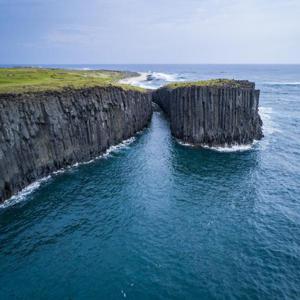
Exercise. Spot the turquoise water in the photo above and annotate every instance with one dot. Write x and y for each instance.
(158, 220)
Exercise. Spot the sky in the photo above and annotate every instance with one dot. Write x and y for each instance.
(149, 31)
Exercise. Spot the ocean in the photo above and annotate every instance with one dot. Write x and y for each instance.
(156, 219)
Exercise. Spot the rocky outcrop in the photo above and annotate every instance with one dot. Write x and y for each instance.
(46, 131)
(213, 114)
(42, 132)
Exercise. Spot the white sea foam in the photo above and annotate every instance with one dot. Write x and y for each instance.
(20, 196)
(182, 143)
(165, 76)
(151, 80)
(123, 293)
(23, 193)
(135, 80)
(116, 148)
(226, 148)
(269, 127)
(232, 148)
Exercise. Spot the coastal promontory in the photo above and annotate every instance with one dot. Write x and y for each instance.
(53, 118)
(217, 112)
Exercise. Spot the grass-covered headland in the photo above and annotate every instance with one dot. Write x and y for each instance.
(19, 80)
(218, 83)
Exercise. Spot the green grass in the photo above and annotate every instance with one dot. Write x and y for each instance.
(210, 83)
(20, 80)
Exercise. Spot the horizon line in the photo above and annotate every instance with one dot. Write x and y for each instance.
(66, 64)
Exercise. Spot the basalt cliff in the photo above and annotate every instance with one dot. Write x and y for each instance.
(212, 113)
(41, 132)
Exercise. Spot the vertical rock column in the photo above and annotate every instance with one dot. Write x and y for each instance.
(213, 115)
(43, 132)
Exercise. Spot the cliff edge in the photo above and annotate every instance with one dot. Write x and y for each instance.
(52, 118)
(42, 132)
(216, 112)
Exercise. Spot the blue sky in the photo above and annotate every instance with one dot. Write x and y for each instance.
(149, 31)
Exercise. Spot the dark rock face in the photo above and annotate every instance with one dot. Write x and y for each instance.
(213, 116)
(43, 132)
(46, 131)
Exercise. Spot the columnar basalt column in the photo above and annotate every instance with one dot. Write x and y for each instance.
(214, 112)
(42, 132)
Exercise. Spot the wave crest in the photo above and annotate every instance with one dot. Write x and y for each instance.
(226, 148)
(165, 77)
(152, 80)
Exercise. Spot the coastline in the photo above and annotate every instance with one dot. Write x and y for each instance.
(51, 130)
(47, 131)
(20, 196)
(136, 80)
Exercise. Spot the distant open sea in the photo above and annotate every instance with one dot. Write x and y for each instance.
(154, 219)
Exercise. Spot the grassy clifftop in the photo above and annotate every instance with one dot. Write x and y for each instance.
(19, 80)
(218, 83)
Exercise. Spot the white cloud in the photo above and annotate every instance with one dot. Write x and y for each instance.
(162, 31)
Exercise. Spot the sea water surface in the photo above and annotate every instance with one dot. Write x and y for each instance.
(154, 219)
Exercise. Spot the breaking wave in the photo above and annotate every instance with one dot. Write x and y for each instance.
(24, 193)
(165, 77)
(269, 127)
(226, 148)
(232, 148)
(153, 80)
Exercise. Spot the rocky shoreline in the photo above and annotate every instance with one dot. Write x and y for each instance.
(42, 132)
(45, 131)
